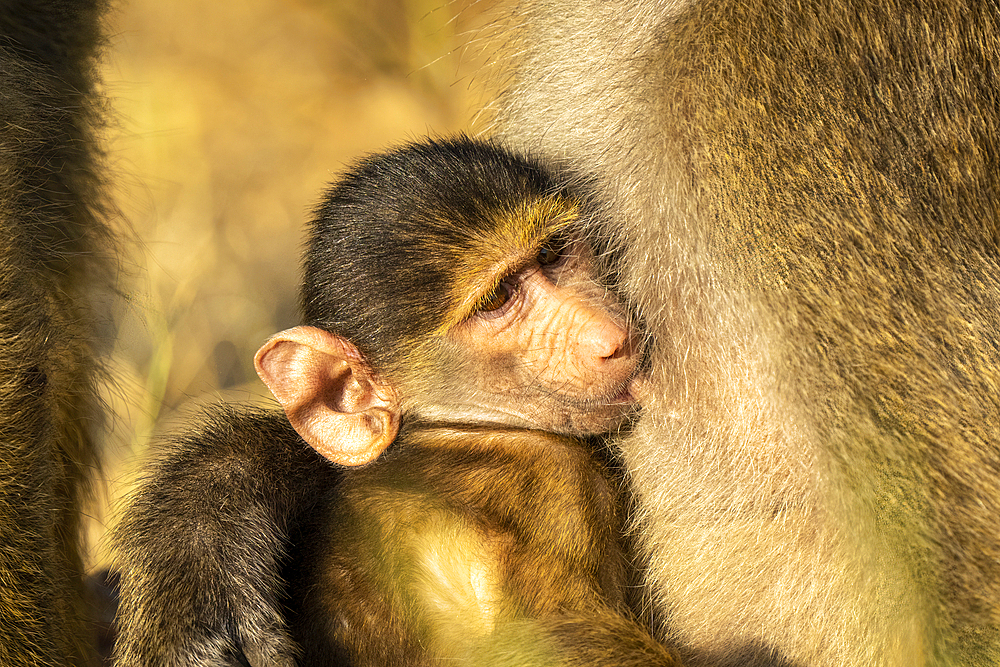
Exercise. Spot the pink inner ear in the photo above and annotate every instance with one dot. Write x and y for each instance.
(275, 363)
(330, 397)
(346, 390)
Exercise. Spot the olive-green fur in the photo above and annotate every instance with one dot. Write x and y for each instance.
(54, 248)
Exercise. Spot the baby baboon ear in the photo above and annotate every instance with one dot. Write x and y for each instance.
(331, 396)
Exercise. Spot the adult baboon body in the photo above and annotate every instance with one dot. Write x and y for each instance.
(52, 238)
(806, 195)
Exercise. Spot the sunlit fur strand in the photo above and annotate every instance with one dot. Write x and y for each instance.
(805, 196)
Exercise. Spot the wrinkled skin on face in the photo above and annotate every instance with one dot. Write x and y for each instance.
(550, 349)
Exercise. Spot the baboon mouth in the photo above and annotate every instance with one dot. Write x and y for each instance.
(626, 392)
(631, 390)
(623, 396)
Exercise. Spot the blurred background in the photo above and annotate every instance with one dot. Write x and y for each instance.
(228, 118)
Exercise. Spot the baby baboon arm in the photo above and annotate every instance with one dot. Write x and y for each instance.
(201, 544)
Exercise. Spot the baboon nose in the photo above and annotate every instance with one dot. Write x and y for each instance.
(606, 341)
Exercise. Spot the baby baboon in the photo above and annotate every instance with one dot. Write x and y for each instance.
(445, 286)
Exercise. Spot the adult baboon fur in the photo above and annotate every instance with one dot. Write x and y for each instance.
(807, 195)
(52, 259)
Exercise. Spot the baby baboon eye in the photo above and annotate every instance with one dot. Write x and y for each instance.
(497, 299)
(552, 251)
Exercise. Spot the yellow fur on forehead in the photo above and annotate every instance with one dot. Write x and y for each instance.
(515, 238)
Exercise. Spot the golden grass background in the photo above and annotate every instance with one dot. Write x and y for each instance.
(228, 117)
